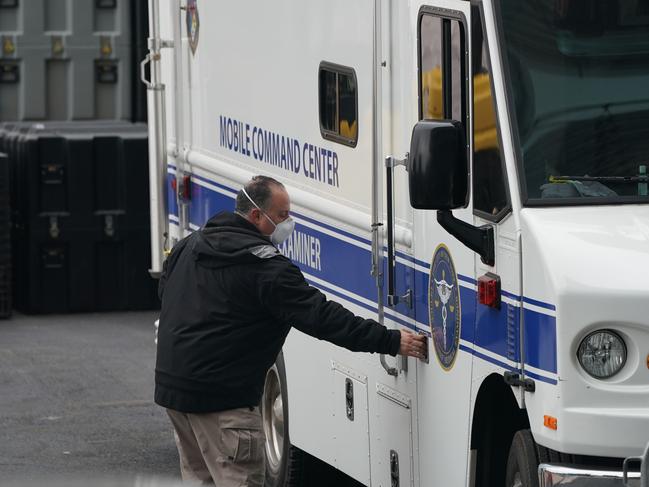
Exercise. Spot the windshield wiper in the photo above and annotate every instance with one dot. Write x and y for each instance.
(601, 179)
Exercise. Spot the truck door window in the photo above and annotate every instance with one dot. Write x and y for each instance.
(489, 184)
(338, 104)
(442, 93)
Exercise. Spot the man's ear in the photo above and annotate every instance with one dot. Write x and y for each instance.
(255, 214)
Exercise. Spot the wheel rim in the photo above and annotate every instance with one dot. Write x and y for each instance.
(272, 412)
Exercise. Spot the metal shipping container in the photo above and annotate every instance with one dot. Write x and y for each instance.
(66, 59)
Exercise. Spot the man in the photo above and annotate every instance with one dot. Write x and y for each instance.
(229, 299)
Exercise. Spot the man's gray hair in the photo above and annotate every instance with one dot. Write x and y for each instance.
(259, 188)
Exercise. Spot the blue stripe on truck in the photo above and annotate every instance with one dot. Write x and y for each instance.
(345, 266)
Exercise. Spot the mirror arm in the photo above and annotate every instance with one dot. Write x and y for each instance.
(478, 239)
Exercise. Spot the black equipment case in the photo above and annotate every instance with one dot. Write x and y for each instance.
(81, 216)
(5, 239)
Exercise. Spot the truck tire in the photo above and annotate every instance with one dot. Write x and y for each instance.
(284, 463)
(523, 462)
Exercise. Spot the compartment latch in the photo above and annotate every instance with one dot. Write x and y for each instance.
(349, 399)
(394, 468)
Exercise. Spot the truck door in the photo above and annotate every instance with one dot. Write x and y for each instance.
(445, 286)
(393, 431)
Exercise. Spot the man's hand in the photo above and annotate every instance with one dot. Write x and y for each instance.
(412, 345)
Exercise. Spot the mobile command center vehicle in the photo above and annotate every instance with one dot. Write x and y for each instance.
(472, 170)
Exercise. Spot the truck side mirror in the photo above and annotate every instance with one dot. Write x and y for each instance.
(438, 176)
(438, 171)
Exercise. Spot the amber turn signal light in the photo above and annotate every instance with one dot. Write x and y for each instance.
(550, 422)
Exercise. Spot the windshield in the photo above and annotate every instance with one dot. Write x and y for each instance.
(579, 75)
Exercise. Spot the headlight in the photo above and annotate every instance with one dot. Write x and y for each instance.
(602, 354)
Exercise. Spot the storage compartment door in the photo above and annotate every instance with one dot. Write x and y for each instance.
(350, 419)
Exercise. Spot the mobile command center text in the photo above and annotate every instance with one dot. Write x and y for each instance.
(317, 163)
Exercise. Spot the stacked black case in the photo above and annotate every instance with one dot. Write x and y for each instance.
(5, 241)
(80, 200)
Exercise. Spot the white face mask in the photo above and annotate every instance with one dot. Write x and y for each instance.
(282, 230)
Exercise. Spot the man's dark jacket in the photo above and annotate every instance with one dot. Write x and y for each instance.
(229, 298)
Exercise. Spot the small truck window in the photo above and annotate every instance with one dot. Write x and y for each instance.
(441, 65)
(490, 199)
(338, 104)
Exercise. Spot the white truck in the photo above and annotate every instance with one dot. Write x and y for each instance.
(475, 171)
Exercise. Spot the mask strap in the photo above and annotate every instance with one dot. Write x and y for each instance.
(257, 206)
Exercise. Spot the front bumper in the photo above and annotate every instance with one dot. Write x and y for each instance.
(558, 475)
(561, 475)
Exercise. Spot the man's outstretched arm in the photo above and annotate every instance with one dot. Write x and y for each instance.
(292, 300)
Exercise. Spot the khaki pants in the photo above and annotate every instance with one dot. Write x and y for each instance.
(225, 448)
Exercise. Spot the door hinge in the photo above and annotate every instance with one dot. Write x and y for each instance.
(514, 379)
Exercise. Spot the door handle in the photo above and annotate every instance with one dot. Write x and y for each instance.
(390, 163)
(393, 298)
(390, 370)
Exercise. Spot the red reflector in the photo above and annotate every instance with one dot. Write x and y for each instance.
(187, 191)
(182, 186)
(489, 290)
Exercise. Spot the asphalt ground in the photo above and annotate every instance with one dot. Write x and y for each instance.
(76, 401)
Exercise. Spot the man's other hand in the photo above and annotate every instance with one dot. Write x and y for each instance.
(412, 345)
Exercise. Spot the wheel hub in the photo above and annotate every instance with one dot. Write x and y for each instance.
(273, 420)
